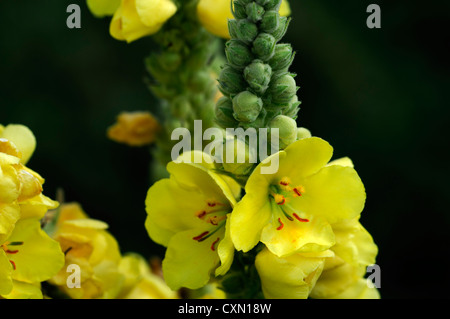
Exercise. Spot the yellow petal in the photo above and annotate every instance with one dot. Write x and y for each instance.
(9, 215)
(248, 219)
(285, 8)
(189, 263)
(155, 12)
(344, 161)
(24, 290)
(6, 283)
(304, 158)
(9, 183)
(151, 287)
(39, 257)
(225, 249)
(313, 236)
(335, 193)
(23, 138)
(101, 8)
(292, 277)
(36, 207)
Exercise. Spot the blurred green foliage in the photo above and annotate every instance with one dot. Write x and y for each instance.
(377, 95)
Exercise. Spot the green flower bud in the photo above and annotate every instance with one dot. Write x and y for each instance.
(232, 28)
(254, 11)
(282, 59)
(270, 22)
(287, 130)
(273, 5)
(238, 157)
(224, 113)
(256, 124)
(199, 81)
(246, 106)
(293, 108)
(264, 46)
(239, 10)
(231, 81)
(282, 28)
(238, 54)
(303, 133)
(181, 107)
(245, 2)
(258, 75)
(246, 31)
(262, 2)
(283, 89)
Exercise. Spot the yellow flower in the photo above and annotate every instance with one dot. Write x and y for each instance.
(291, 277)
(140, 282)
(214, 15)
(291, 211)
(27, 258)
(135, 19)
(188, 214)
(86, 243)
(342, 277)
(101, 8)
(135, 129)
(23, 140)
(20, 187)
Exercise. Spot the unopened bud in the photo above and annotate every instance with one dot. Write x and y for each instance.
(293, 108)
(231, 81)
(270, 21)
(264, 46)
(262, 2)
(303, 133)
(238, 158)
(239, 10)
(283, 89)
(282, 59)
(254, 11)
(246, 30)
(224, 113)
(258, 75)
(246, 106)
(238, 54)
(282, 28)
(287, 130)
(273, 5)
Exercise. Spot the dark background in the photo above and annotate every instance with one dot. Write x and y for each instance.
(377, 95)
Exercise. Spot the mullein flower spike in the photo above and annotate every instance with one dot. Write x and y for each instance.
(256, 75)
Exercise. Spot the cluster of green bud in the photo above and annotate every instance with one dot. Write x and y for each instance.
(259, 91)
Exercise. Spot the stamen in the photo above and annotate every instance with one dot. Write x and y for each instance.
(11, 251)
(279, 199)
(15, 243)
(281, 224)
(67, 250)
(13, 264)
(200, 237)
(200, 214)
(299, 190)
(303, 220)
(285, 181)
(214, 243)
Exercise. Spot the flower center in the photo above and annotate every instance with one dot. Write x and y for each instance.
(215, 214)
(280, 195)
(11, 251)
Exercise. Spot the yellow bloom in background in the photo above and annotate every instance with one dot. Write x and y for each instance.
(88, 244)
(27, 257)
(135, 128)
(214, 15)
(135, 19)
(291, 277)
(102, 8)
(188, 213)
(291, 211)
(342, 277)
(140, 282)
